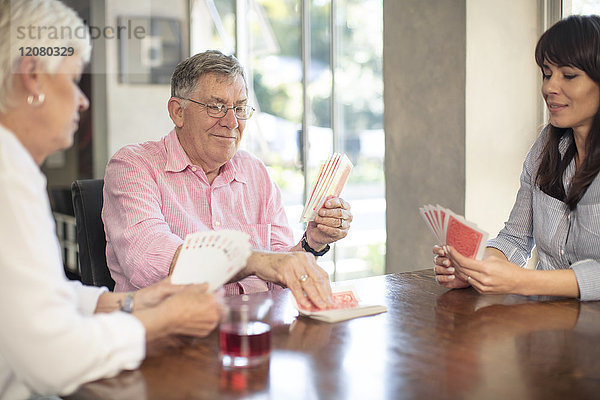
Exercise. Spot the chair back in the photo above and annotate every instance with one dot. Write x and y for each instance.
(87, 204)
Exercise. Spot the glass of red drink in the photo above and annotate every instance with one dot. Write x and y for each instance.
(245, 332)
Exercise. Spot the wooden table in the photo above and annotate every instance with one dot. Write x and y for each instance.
(431, 344)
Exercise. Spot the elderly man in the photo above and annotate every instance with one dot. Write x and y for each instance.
(195, 179)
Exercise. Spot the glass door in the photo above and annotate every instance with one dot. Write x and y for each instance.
(315, 76)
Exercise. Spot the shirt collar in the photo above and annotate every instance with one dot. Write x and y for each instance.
(178, 160)
(565, 142)
(18, 147)
(231, 171)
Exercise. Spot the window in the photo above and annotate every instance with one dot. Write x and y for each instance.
(582, 7)
(315, 77)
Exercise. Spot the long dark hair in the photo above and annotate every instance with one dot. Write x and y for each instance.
(575, 42)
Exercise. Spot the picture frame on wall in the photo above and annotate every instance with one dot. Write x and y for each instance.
(150, 50)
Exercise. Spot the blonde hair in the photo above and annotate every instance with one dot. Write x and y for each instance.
(37, 24)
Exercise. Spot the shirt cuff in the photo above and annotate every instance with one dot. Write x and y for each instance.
(509, 250)
(87, 297)
(587, 273)
(253, 284)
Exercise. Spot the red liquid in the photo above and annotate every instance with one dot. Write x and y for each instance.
(249, 340)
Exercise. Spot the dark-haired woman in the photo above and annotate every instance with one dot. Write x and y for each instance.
(558, 204)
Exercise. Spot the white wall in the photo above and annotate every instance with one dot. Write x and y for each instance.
(503, 107)
(446, 62)
(137, 113)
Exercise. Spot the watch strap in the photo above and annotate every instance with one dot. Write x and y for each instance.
(309, 249)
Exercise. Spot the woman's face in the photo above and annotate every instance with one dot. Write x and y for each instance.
(64, 100)
(572, 97)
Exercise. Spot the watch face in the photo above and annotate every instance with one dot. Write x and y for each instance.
(127, 305)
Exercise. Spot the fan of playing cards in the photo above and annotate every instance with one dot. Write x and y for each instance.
(212, 256)
(330, 181)
(346, 305)
(454, 230)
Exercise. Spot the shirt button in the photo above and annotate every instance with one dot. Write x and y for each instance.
(194, 169)
(217, 223)
(562, 252)
(569, 216)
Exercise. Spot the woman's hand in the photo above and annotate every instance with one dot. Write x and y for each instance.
(195, 312)
(445, 273)
(190, 311)
(492, 275)
(153, 295)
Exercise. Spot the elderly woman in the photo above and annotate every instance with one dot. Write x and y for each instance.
(558, 204)
(57, 334)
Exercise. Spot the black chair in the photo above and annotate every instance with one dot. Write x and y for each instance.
(87, 203)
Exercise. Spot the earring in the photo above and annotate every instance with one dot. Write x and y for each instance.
(40, 100)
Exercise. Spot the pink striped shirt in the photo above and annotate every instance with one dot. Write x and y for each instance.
(154, 197)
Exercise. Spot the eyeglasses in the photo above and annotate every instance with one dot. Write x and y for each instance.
(218, 110)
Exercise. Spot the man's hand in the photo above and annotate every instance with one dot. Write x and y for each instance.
(330, 225)
(296, 270)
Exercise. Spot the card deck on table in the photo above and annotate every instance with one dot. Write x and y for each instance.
(330, 181)
(454, 230)
(212, 256)
(346, 305)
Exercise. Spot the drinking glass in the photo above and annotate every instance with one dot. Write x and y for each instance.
(245, 331)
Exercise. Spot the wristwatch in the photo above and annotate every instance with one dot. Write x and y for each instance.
(309, 249)
(127, 304)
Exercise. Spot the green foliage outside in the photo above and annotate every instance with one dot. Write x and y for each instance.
(376, 258)
(276, 69)
(359, 62)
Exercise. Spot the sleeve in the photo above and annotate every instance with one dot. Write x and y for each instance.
(588, 279)
(515, 240)
(136, 231)
(46, 340)
(281, 234)
(87, 296)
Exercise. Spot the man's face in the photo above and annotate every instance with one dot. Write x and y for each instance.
(210, 142)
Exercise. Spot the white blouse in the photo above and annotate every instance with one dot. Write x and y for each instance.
(50, 339)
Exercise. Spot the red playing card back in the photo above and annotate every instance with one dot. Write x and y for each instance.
(344, 299)
(463, 238)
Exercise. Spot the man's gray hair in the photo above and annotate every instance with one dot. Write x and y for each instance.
(37, 24)
(186, 74)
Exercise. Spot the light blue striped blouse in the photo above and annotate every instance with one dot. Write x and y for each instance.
(564, 238)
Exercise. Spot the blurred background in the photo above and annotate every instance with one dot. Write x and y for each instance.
(461, 98)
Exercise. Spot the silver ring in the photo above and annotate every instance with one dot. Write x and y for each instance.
(468, 278)
(303, 278)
